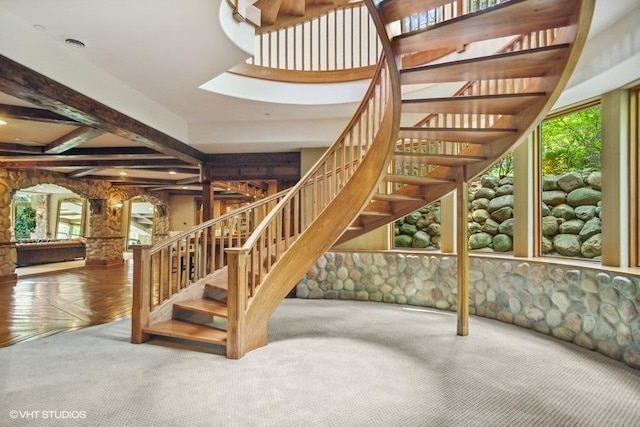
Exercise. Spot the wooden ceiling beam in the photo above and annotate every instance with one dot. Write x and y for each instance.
(66, 161)
(83, 172)
(23, 83)
(10, 147)
(34, 115)
(72, 140)
(252, 166)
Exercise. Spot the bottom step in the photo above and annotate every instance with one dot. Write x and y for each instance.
(187, 331)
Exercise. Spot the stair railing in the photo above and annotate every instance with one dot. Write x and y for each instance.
(178, 262)
(252, 263)
(339, 45)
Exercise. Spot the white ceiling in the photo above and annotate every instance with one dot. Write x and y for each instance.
(147, 58)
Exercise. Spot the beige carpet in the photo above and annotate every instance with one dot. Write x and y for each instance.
(328, 363)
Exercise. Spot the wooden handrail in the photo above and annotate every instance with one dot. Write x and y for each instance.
(313, 215)
(178, 262)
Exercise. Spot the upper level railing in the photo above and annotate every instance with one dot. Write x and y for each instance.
(339, 45)
(436, 15)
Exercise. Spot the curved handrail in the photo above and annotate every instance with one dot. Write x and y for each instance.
(322, 204)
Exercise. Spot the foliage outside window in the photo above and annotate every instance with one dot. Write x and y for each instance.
(25, 221)
(571, 196)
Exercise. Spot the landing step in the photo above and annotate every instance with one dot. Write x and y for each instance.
(187, 331)
(204, 306)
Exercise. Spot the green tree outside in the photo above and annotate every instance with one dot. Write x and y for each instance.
(572, 142)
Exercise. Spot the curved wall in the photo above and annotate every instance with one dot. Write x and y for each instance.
(587, 305)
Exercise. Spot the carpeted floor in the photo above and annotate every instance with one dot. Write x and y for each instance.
(328, 363)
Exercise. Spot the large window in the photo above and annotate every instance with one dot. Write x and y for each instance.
(571, 184)
(634, 190)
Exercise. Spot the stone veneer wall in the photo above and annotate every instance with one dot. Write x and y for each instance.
(591, 307)
(106, 241)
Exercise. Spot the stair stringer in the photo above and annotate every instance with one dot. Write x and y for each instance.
(248, 319)
(320, 235)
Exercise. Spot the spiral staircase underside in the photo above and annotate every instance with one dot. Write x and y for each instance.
(502, 95)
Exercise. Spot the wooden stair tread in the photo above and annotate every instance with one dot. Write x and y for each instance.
(467, 135)
(395, 198)
(374, 213)
(187, 331)
(292, 7)
(223, 285)
(204, 306)
(438, 159)
(508, 104)
(537, 62)
(268, 10)
(416, 180)
(512, 18)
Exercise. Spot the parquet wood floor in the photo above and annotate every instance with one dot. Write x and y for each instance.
(46, 304)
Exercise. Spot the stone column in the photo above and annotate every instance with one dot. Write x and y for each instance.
(106, 243)
(160, 223)
(8, 255)
(42, 216)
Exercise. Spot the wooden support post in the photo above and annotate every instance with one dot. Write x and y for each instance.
(207, 200)
(141, 294)
(462, 203)
(236, 302)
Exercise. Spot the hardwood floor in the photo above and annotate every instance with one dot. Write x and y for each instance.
(45, 304)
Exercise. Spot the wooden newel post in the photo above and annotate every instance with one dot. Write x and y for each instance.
(462, 243)
(141, 298)
(236, 301)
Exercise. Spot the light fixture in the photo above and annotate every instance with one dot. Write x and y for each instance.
(123, 173)
(2, 122)
(172, 172)
(74, 43)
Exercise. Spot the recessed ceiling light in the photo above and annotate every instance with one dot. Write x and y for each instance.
(123, 173)
(74, 43)
(2, 122)
(172, 172)
(184, 188)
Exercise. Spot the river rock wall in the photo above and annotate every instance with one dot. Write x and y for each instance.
(571, 225)
(590, 307)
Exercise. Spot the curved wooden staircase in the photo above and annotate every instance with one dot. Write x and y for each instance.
(385, 165)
